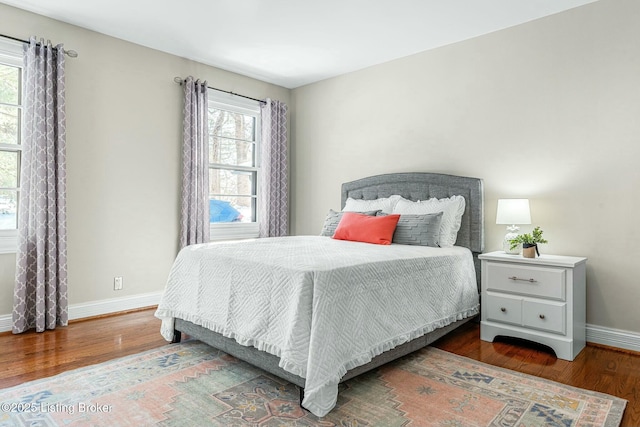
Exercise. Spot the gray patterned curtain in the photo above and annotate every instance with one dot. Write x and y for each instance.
(195, 166)
(274, 207)
(40, 296)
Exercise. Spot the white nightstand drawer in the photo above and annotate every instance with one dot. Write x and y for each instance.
(546, 316)
(504, 309)
(527, 280)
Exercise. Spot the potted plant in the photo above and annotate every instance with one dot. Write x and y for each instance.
(529, 243)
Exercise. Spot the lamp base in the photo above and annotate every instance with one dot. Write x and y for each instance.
(506, 243)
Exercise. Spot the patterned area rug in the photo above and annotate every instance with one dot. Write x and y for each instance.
(191, 384)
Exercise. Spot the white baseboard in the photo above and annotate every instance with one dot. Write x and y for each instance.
(626, 340)
(5, 322)
(98, 308)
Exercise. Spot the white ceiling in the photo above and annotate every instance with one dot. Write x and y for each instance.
(293, 42)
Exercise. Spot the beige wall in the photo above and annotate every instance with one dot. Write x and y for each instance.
(547, 110)
(124, 119)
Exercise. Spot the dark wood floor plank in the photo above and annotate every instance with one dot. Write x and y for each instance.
(32, 356)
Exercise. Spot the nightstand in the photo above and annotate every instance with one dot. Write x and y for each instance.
(538, 299)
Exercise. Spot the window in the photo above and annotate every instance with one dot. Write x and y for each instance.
(234, 140)
(10, 140)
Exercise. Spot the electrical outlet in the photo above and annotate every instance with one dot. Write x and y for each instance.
(117, 283)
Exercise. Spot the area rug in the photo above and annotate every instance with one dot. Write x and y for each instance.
(192, 384)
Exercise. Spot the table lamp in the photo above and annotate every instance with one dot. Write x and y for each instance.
(512, 212)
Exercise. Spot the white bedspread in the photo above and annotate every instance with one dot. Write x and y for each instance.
(323, 306)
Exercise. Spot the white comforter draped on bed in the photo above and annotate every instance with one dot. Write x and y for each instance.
(323, 306)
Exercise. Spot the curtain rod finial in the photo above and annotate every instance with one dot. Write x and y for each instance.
(177, 80)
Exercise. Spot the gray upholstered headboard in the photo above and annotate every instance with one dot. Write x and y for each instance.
(422, 186)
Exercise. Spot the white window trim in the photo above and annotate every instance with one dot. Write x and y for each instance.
(11, 53)
(238, 230)
(8, 241)
(233, 231)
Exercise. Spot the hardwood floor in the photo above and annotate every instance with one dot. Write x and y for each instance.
(32, 356)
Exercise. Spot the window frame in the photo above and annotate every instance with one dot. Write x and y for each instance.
(238, 230)
(12, 54)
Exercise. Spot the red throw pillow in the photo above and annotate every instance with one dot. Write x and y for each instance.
(364, 228)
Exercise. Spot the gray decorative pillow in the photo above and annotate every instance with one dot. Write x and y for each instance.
(333, 219)
(422, 230)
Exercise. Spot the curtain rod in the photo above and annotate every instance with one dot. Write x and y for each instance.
(69, 53)
(181, 80)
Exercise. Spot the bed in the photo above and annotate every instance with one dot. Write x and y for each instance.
(317, 293)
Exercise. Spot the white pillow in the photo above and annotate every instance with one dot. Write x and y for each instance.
(385, 204)
(452, 209)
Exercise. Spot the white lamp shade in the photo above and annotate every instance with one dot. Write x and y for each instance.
(513, 211)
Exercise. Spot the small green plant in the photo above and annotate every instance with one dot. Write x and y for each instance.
(532, 239)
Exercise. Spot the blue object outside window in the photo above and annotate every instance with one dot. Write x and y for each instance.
(222, 211)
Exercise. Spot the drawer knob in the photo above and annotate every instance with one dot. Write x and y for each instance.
(514, 278)
(502, 309)
(542, 316)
